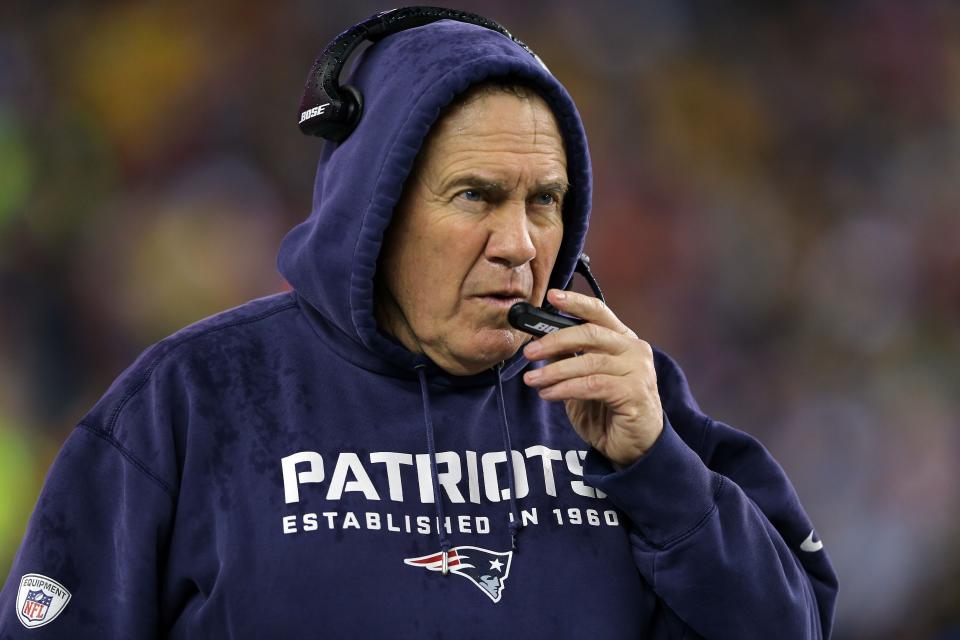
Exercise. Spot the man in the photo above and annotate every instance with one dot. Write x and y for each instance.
(373, 455)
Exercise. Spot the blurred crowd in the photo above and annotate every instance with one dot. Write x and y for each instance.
(777, 205)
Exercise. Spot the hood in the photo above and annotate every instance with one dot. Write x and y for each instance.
(406, 79)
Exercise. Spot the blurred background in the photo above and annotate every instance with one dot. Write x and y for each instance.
(777, 204)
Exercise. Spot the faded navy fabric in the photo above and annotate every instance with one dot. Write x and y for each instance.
(264, 473)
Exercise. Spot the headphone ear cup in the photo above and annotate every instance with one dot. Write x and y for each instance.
(329, 118)
(351, 108)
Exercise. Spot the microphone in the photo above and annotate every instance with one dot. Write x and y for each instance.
(526, 317)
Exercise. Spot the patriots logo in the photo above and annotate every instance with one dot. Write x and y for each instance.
(488, 570)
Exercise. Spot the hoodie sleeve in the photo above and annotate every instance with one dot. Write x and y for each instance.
(717, 529)
(91, 548)
(90, 563)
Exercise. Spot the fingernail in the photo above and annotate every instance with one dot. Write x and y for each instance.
(532, 376)
(560, 295)
(531, 349)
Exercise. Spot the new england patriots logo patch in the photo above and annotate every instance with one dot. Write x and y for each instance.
(488, 570)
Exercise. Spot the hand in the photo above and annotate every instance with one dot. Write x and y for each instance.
(610, 391)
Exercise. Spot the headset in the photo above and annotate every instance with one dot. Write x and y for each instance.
(541, 321)
(331, 110)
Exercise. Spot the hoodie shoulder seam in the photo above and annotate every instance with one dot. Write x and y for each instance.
(136, 462)
(115, 416)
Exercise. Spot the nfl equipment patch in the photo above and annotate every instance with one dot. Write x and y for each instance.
(40, 600)
(487, 570)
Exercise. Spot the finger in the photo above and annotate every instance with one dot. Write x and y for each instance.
(596, 386)
(583, 337)
(589, 308)
(587, 364)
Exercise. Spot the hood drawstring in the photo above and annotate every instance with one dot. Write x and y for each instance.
(432, 450)
(515, 525)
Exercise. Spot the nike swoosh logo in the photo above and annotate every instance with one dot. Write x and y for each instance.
(810, 545)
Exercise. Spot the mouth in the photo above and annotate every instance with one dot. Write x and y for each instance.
(502, 299)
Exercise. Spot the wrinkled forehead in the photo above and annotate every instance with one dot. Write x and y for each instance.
(477, 98)
(493, 124)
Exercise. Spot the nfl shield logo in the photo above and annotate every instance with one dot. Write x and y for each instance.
(40, 600)
(36, 606)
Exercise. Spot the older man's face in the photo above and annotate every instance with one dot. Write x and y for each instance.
(478, 229)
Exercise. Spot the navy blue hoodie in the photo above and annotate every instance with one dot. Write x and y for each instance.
(266, 472)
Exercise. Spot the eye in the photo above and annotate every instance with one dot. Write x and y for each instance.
(545, 199)
(472, 195)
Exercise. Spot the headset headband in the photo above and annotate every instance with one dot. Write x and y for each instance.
(332, 111)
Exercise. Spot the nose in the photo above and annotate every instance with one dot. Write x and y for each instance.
(510, 242)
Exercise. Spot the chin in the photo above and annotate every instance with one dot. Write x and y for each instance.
(491, 346)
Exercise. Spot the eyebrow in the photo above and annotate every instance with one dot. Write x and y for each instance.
(493, 186)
